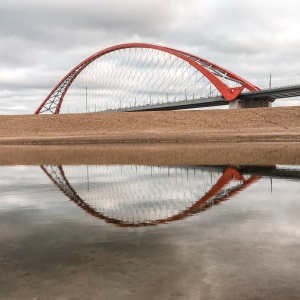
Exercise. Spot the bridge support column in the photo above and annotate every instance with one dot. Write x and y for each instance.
(238, 103)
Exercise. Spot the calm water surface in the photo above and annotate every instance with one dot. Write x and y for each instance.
(149, 232)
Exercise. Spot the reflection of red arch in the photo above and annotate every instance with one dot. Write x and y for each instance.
(227, 92)
(199, 205)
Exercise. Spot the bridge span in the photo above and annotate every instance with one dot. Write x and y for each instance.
(139, 77)
(251, 99)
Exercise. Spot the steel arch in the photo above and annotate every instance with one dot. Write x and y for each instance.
(210, 70)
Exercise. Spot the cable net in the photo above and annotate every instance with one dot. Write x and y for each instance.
(140, 195)
(133, 77)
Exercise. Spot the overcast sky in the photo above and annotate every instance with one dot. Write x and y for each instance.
(42, 41)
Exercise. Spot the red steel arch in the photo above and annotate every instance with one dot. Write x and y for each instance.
(210, 70)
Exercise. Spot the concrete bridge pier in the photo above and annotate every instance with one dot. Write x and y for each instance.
(238, 103)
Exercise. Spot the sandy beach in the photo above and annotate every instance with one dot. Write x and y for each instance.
(244, 125)
(262, 136)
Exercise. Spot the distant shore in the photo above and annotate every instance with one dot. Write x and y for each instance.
(243, 125)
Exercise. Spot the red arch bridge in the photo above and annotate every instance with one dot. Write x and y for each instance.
(140, 77)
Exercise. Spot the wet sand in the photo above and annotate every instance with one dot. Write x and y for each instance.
(255, 153)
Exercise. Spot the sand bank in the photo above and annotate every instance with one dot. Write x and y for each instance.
(264, 136)
(245, 125)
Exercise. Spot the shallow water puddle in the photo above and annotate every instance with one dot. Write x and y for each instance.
(149, 232)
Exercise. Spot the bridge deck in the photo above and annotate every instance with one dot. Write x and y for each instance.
(272, 94)
(269, 94)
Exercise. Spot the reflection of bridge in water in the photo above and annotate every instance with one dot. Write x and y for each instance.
(132, 196)
(146, 195)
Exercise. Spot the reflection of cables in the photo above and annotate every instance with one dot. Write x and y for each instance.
(87, 178)
(152, 213)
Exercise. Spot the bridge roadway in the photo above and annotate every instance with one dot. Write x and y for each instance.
(279, 171)
(262, 95)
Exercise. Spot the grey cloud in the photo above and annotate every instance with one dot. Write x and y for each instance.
(260, 35)
(46, 40)
(32, 32)
(39, 22)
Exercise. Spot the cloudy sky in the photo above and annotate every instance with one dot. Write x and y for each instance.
(42, 41)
